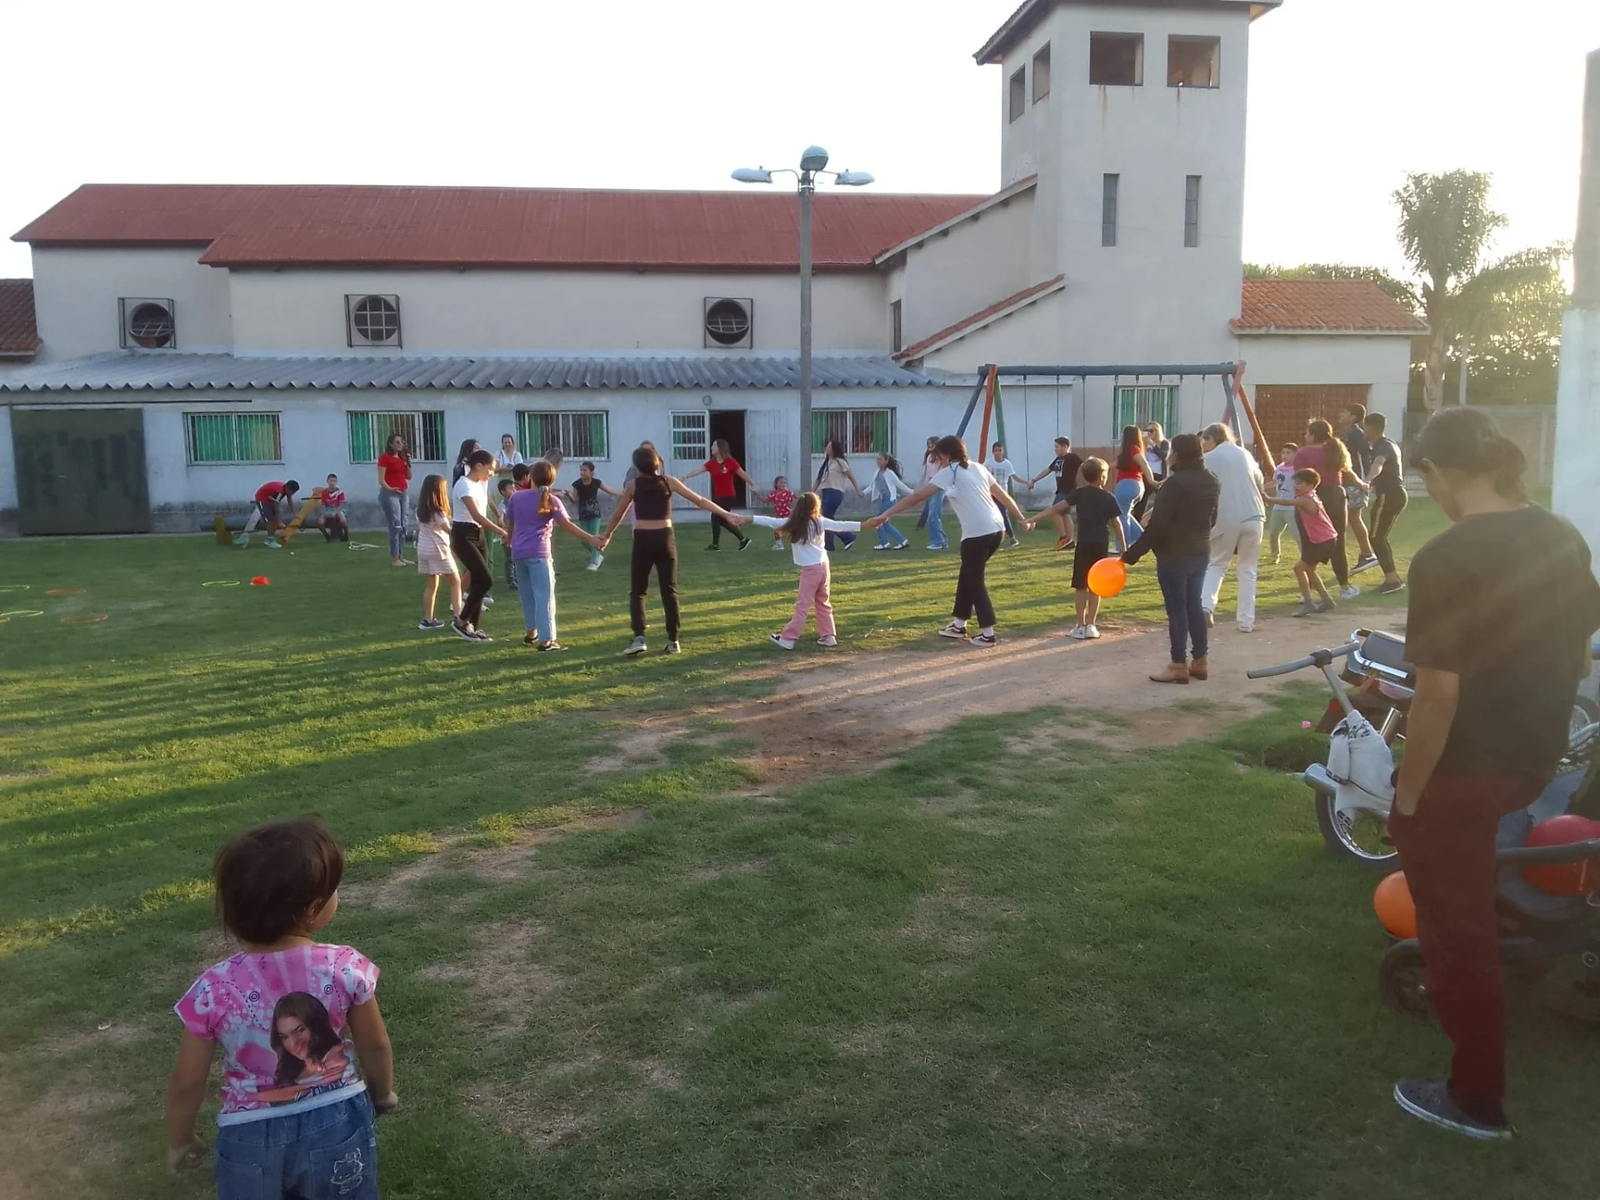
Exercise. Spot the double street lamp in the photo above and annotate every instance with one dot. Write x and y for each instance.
(813, 163)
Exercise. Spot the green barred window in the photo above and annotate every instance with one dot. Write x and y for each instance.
(575, 434)
(1142, 404)
(370, 433)
(233, 437)
(859, 430)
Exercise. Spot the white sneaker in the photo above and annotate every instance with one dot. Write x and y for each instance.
(1350, 593)
(598, 559)
(778, 640)
(881, 546)
(1078, 632)
(778, 546)
(672, 648)
(1090, 632)
(1247, 628)
(952, 630)
(636, 646)
(488, 601)
(828, 641)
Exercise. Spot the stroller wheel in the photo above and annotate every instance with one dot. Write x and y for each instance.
(1402, 982)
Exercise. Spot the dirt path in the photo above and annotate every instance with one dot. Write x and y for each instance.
(857, 710)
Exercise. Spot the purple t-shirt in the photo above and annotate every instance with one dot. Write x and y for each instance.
(530, 530)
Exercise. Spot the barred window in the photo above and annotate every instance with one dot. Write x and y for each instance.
(1143, 404)
(691, 437)
(233, 437)
(575, 434)
(370, 433)
(859, 430)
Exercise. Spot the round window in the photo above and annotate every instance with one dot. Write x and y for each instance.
(727, 322)
(376, 319)
(150, 325)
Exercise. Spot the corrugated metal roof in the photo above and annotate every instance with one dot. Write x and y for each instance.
(145, 371)
(295, 225)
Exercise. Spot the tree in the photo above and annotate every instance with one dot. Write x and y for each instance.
(1445, 226)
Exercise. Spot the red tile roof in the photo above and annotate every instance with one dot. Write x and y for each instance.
(1337, 305)
(259, 226)
(19, 335)
(981, 317)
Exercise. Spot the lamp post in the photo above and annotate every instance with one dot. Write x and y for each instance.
(813, 163)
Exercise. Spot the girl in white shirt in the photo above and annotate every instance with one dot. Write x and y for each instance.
(806, 529)
(978, 501)
(887, 487)
(1000, 467)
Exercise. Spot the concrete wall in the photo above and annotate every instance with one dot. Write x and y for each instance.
(968, 267)
(1382, 362)
(578, 312)
(75, 293)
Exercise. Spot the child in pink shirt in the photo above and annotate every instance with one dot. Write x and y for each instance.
(782, 501)
(292, 1016)
(1318, 540)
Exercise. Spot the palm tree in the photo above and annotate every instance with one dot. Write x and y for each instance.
(1445, 225)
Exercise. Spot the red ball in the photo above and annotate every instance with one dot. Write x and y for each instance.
(1392, 902)
(1563, 879)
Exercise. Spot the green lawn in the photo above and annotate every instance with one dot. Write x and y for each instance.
(1011, 963)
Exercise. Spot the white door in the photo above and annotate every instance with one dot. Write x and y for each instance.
(766, 450)
(691, 446)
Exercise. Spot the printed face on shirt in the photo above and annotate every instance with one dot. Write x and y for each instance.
(295, 1037)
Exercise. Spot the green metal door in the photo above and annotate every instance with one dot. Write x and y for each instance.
(80, 471)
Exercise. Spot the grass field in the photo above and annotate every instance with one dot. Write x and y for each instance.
(1012, 961)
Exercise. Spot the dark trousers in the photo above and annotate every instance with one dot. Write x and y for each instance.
(1182, 579)
(831, 499)
(472, 552)
(654, 550)
(718, 525)
(1337, 503)
(1447, 851)
(1382, 513)
(972, 593)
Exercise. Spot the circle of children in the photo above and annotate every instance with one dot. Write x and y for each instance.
(1197, 502)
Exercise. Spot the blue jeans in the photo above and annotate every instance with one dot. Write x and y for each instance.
(1182, 579)
(326, 1154)
(536, 584)
(832, 498)
(1128, 492)
(394, 516)
(886, 532)
(936, 538)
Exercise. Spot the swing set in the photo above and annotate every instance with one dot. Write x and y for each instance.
(1230, 375)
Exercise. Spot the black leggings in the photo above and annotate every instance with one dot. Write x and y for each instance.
(472, 552)
(654, 549)
(1334, 500)
(971, 592)
(1382, 513)
(718, 525)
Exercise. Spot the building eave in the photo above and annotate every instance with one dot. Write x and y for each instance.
(1001, 198)
(1028, 15)
(981, 319)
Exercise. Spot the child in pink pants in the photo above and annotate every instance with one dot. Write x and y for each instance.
(806, 528)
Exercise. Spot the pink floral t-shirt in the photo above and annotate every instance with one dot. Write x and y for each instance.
(281, 1019)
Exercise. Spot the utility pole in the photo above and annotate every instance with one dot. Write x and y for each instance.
(808, 188)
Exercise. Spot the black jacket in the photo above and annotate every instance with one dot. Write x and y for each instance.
(1184, 510)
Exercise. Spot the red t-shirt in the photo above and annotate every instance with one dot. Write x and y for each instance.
(269, 491)
(332, 498)
(395, 471)
(723, 477)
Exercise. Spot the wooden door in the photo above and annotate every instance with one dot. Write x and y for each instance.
(80, 470)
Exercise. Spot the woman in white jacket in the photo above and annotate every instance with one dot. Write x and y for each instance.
(887, 487)
(1241, 521)
(806, 528)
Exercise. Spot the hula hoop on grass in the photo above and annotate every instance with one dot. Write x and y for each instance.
(220, 583)
(24, 612)
(362, 546)
(67, 592)
(13, 587)
(86, 619)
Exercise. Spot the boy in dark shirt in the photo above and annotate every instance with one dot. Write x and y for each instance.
(586, 492)
(1065, 467)
(1097, 518)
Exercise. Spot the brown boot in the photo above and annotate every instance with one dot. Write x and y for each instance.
(1175, 673)
(1197, 669)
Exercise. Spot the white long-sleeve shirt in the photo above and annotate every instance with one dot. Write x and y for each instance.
(812, 552)
(886, 485)
(1240, 477)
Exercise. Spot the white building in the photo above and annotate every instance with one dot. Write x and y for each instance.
(193, 342)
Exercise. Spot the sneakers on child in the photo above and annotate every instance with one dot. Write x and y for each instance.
(1350, 593)
(636, 646)
(901, 546)
(273, 543)
(1364, 563)
(778, 640)
(1013, 543)
(550, 647)
(595, 565)
(881, 546)
(778, 546)
(953, 630)
(1390, 589)
(462, 629)
(1430, 1100)
(488, 601)
(241, 540)
(430, 623)
(744, 543)
(830, 642)
(673, 648)
(1306, 609)
(1078, 632)
(984, 641)
(1090, 632)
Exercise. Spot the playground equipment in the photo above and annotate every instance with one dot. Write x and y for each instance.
(224, 527)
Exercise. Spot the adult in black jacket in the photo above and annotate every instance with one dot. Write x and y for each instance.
(1179, 533)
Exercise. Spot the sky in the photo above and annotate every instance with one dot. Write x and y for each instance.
(1346, 97)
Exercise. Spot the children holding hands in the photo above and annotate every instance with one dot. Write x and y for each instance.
(1098, 522)
(807, 530)
(1319, 540)
(530, 515)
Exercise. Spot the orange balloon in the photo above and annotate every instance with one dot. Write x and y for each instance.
(1108, 577)
(1392, 903)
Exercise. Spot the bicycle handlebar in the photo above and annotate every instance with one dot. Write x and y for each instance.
(1317, 658)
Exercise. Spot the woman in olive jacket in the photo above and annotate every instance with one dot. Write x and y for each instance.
(1179, 532)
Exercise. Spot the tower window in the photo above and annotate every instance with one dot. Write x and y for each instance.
(1116, 59)
(1019, 93)
(1191, 211)
(897, 331)
(1108, 209)
(1194, 62)
(1041, 73)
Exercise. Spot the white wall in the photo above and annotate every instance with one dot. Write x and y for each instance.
(75, 293)
(1382, 362)
(969, 267)
(578, 312)
(8, 464)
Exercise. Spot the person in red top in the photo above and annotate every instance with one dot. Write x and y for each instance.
(394, 477)
(725, 471)
(267, 505)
